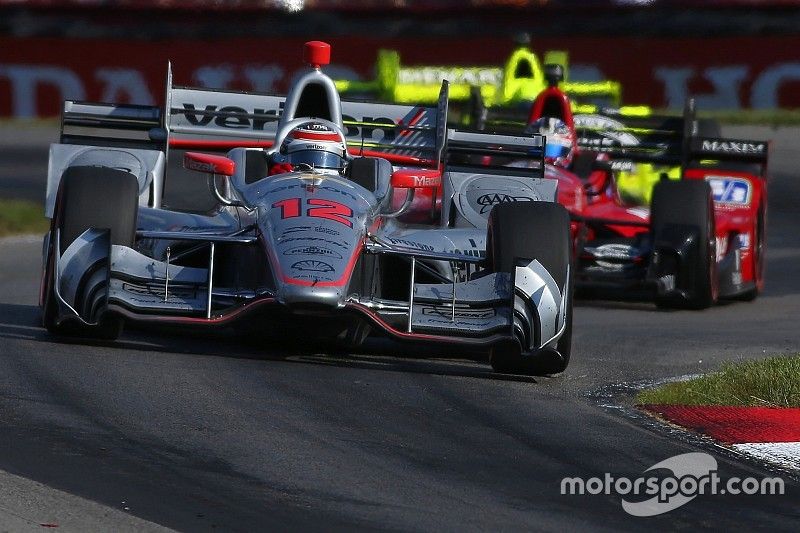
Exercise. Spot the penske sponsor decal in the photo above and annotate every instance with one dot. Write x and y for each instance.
(313, 250)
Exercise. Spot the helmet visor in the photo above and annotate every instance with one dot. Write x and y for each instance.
(317, 159)
(556, 150)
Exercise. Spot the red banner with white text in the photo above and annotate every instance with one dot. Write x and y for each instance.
(36, 74)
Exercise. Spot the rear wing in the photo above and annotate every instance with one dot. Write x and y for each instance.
(665, 140)
(679, 140)
(217, 120)
(498, 153)
(114, 125)
(221, 120)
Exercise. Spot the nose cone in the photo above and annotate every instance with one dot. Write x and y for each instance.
(314, 227)
(314, 263)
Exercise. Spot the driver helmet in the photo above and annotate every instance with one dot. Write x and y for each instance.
(315, 145)
(559, 140)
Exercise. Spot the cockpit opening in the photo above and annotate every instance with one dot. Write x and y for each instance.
(523, 69)
(313, 102)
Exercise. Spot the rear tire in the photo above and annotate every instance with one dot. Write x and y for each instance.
(531, 230)
(89, 197)
(688, 203)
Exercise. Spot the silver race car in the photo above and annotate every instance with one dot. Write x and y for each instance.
(333, 219)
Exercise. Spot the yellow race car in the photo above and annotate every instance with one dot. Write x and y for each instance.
(518, 81)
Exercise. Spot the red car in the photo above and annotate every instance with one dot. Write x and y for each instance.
(702, 237)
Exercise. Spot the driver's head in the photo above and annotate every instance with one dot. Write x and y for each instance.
(559, 140)
(315, 145)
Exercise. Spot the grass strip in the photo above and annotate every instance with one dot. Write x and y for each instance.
(771, 382)
(21, 216)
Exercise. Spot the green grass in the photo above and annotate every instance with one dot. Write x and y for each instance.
(769, 382)
(20, 216)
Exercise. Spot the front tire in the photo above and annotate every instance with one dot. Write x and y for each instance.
(89, 197)
(526, 231)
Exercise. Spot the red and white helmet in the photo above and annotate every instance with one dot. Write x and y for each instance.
(315, 145)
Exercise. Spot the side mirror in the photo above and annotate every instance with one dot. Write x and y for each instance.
(418, 178)
(209, 164)
(213, 165)
(412, 179)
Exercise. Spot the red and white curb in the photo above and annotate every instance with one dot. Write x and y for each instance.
(769, 434)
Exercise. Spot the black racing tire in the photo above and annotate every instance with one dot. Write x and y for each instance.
(98, 197)
(526, 231)
(89, 197)
(688, 203)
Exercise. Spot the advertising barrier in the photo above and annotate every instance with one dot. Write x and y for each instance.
(37, 74)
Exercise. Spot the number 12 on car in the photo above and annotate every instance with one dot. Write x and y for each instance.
(317, 208)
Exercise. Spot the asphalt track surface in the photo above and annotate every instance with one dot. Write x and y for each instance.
(203, 433)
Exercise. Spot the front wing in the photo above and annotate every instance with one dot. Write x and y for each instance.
(93, 277)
